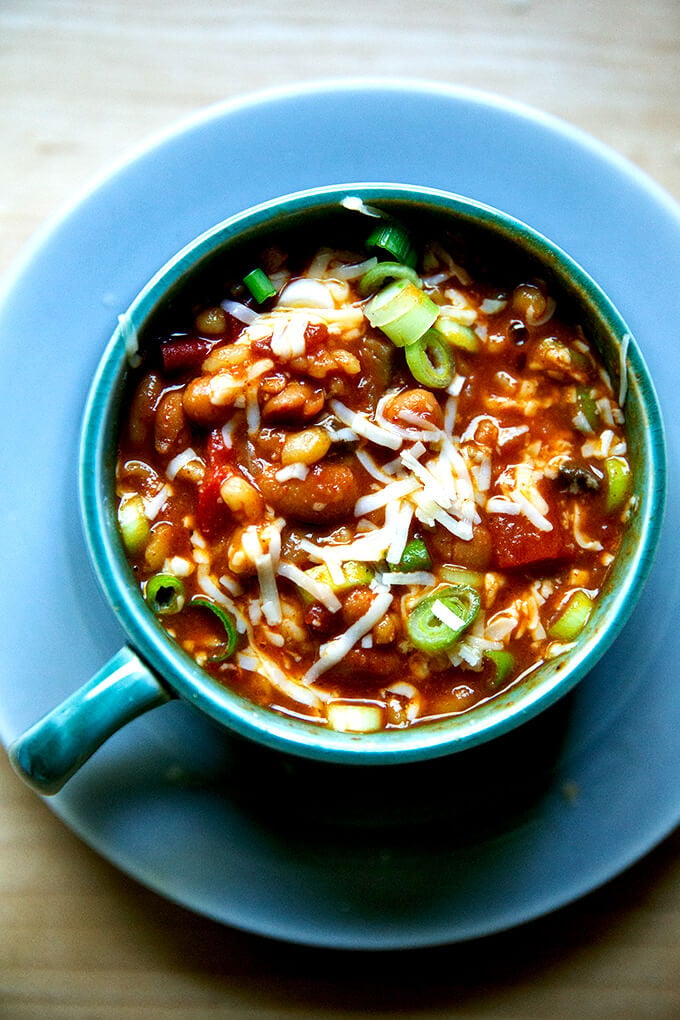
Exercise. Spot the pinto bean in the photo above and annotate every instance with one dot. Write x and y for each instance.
(143, 408)
(297, 402)
(419, 402)
(328, 493)
(242, 498)
(171, 434)
(356, 603)
(305, 447)
(369, 664)
(198, 404)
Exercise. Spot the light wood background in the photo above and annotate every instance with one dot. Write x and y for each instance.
(81, 83)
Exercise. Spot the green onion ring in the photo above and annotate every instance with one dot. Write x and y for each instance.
(573, 617)
(619, 482)
(431, 635)
(431, 360)
(503, 663)
(402, 311)
(226, 621)
(165, 594)
(377, 275)
(392, 238)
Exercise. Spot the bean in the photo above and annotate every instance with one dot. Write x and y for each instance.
(529, 300)
(242, 498)
(159, 546)
(305, 447)
(328, 493)
(212, 321)
(299, 401)
(171, 434)
(356, 603)
(198, 405)
(225, 357)
(420, 402)
(143, 408)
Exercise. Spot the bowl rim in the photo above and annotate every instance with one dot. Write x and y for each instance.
(497, 716)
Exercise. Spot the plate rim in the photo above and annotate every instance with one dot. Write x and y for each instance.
(288, 93)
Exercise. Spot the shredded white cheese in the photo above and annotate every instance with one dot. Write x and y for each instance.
(181, 460)
(317, 589)
(623, 368)
(331, 653)
(418, 577)
(297, 470)
(362, 426)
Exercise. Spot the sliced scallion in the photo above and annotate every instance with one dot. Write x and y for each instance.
(619, 482)
(457, 334)
(165, 594)
(573, 616)
(226, 621)
(588, 408)
(462, 575)
(402, 311)
(415, 556)
(431, 360)
(355, 716)
(383, 271)
(502, 662)
(393, 239)
(133, 524)
(259, 285)
(428, 632)
(354, 573)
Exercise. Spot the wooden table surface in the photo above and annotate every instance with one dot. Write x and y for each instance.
(84, 81)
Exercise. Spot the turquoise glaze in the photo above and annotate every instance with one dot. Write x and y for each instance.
(55, 747)
(49, 753)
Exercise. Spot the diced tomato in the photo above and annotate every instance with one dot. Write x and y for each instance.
(211, 514)
(517, 543)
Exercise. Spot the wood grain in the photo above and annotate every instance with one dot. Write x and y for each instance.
(82, 83)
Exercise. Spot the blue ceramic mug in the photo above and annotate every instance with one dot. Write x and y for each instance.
(151, 669)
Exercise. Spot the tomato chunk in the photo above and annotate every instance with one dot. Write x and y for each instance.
(211, 513)
(518, 543)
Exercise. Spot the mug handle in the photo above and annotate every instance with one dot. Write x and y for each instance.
(51, 751)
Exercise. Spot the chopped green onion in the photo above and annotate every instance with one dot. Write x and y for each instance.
(462, 575)
(619, 481)
(259, 285)
(457, 334)
(227, 623)
(402, 311)
(428, 632)
(354, 573)
(415, 556)
(133, 524)
(502, 662)
(377, 275)
(573, 617)
(355, 716)
(165, 594)
(585, 403)
(392, 238)
(431, 360)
